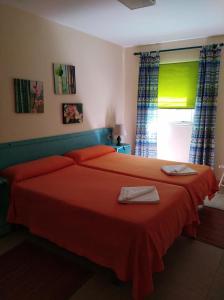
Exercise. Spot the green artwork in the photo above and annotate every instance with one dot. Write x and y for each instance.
(29, 96)
(64, 79)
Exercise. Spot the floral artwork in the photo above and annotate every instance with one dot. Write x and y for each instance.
(72, 113)
(64, 79)
(29, 96)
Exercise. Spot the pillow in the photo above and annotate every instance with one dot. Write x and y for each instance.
(36, 167)
(89, 152)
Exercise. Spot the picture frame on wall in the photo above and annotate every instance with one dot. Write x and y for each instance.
(72, 113)
(29, 96)
(64, 79)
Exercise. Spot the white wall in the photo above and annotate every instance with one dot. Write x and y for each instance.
(28, 47)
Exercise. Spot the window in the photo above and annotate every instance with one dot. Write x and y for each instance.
(177, 85)
(176, 102)
(178, 116)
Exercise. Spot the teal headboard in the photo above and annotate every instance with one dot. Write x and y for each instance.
(21, 151)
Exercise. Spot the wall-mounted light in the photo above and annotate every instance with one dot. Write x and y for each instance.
(134, 4)
(118, 131)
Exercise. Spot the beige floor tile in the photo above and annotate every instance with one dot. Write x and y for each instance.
(193, 270)
(189, 266)
(101, 288)
(11, 240)
(175, 293)
(222, 259)
(216, 291)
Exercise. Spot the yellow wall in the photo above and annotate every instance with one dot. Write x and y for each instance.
(131, 82)
(28, 47)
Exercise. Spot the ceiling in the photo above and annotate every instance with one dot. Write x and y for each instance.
(168, 20)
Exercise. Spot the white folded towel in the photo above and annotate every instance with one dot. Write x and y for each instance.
(178, 170)
(138, 194)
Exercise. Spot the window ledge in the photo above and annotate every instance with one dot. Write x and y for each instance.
(182, 123)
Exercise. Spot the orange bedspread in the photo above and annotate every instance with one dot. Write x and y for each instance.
(199, 186)
(77, 208)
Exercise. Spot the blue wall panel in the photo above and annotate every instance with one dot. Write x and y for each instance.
(21, 151)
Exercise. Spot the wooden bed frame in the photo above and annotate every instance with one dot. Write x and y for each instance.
(12, 153)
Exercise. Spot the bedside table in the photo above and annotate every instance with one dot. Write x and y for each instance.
(123, 148)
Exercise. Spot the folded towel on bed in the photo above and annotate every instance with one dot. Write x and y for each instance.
(138, 194)
(178, 170)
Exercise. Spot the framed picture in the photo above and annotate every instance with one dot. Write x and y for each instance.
(64, 79)
(72, 113)
(29, 96)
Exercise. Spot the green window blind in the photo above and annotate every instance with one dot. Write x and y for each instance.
(178, 85)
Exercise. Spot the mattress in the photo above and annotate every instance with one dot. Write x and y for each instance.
(198, 186)
(77, 208)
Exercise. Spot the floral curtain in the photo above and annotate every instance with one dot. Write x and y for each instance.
(202, 149)
(147, 105)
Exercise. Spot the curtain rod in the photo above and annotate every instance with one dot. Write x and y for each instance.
(176, 49)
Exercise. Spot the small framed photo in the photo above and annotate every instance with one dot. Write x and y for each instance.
(72, 113)
(29, 96)
(64, 79)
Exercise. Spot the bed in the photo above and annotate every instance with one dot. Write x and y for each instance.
(105, 158)
(76, 208)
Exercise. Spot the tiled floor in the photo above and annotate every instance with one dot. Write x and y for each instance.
(193, 271)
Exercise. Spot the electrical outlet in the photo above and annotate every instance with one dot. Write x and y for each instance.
(109, 137)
